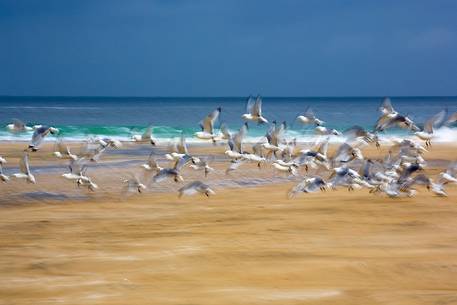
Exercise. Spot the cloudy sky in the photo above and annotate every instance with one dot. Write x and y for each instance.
(228, 48)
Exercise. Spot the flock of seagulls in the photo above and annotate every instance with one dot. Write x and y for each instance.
(398, 174)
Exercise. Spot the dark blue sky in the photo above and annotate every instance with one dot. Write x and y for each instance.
(228, 48)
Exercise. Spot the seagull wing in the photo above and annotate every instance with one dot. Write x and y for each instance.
(182, 146)
(452, 118)
(225, 131)
(181, 162)
(435, 121)
(257, 108)
(147, 133)
(24, 164)
(238, 138)
(249, 104)
(39, 134)
(386, 106)
(208, 122)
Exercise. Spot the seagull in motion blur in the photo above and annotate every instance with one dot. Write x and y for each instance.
(18, 126)
(39, 134)
(254, 111)
(24, 169)
(207, 126)
(194, 188)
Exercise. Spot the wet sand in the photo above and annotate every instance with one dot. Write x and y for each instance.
(242, 246)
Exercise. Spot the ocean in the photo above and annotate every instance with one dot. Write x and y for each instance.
(120, 117)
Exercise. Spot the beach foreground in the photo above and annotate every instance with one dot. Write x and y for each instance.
(241, 246)
(235, 248)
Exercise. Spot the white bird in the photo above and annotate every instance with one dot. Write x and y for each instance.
(178, 150)
(39, 134)
(324, 131)
(427, 133)
(449, 176)
(77, 168)
(151, 164)
(308, 185)
(386, 107)
(235, 141)
(309, 118)
(62, 150)
(359, 133)
(207, 126)
(18, 126)
(24, 168)
(194, 188)
(275, 138)
(389, 118)
(348, 152)
(86, 181)
(314, 157)
(146, 137)
(254, 111)
(291, 169)
(3, 177)
(201, 164)
(173, 173)
(2, 161)
(133, 184)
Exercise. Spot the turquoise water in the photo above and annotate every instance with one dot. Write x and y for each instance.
(80, 117)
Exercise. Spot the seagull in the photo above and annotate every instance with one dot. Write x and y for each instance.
(146, 137)
(408, 170)
(359, 133)
(386, 107)
(309, 118)
(207, 126)
(427, 133)
(133, 184)
(2, 160)
(275, 137)
(344, 176)
(25, 170)
(87, 182)
(3, 177)
(291, 169)
(348, 152)
(367, 173)
(314, 157)
(451, 119)
(235, 143)
(390, 117)
(166, 173)
(201, 164)
(449, 176)
(324, 131)
(392, 190)
(151, 164)
(179, 150)
(96, 147)
(225, 132)
(254, 111)
(77, 173)
(18, 126)
(77, 168)
(195, 187)
(39, 134)
(63, 151)
(308, 185)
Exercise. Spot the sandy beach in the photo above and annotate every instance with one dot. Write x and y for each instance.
(245, 245)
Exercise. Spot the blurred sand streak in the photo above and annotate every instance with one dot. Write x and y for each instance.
(242, 246)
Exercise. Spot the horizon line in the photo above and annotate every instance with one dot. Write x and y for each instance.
(227, 96)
